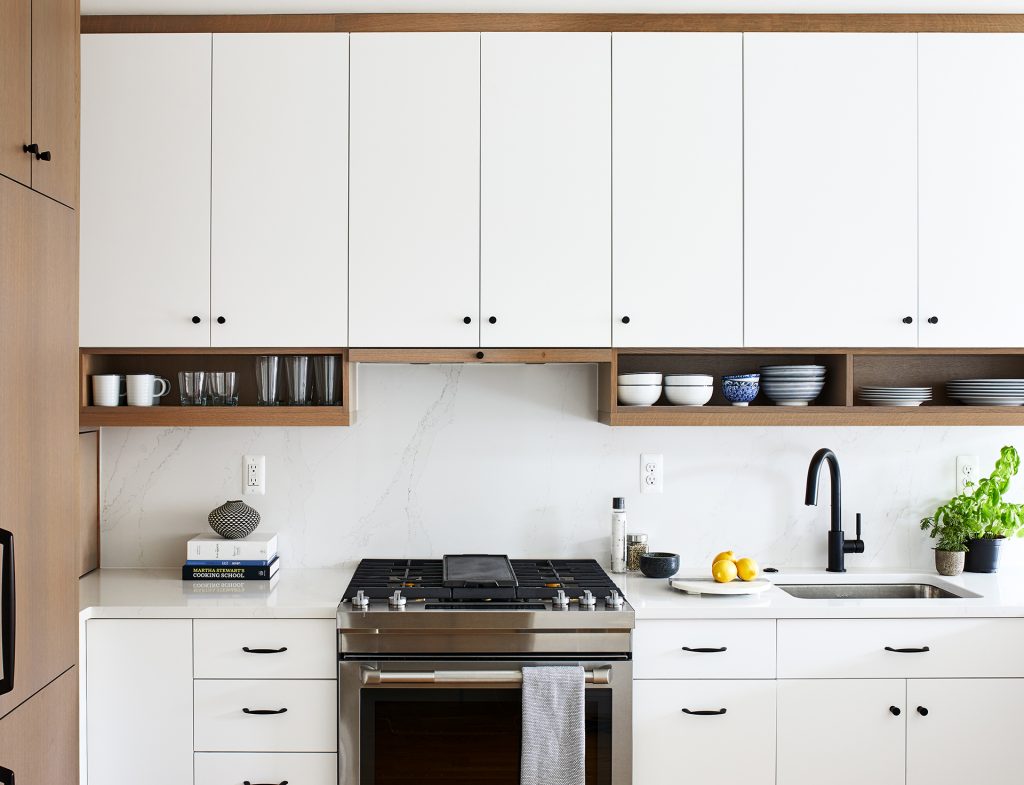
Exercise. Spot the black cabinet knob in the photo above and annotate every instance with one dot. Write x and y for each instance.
(479, 355)
(625, 320)
(196, 320)
(43, 156)
(933, 320)
(908, 319)
(922, 711)
(467, 319)
(895, 711)
(493, 320)
(33, 149)
(221, 320)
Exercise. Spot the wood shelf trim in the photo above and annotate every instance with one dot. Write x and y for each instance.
(458, 355)
(527, 22)
(198, 416)
(813, 415)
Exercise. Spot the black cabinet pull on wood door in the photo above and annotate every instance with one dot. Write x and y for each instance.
(7, 607)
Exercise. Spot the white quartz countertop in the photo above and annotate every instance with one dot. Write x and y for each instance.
(315, 593)
(1001, 594)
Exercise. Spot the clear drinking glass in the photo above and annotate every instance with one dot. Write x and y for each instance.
(296, 367)
(266, 379)
(192, 386)
(326, 370)
(224, 388)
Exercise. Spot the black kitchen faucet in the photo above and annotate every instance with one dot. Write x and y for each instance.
(838, 545)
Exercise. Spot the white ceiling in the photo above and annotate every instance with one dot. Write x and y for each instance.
(541, 6)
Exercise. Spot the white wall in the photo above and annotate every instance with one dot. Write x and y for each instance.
(492, 458)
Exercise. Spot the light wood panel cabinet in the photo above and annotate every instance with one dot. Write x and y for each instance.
(830, 130)
(279, 266)
(545, 211)
(39, 739)
(677, 158)
(414, 250)
(16, 89)
(971, 189)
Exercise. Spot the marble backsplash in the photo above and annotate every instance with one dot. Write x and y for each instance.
(511, 459)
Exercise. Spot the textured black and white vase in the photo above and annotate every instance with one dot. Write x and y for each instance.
(234, 520)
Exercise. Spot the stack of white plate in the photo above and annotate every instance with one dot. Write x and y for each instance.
(987, 392)
(792, 385)
(895, 396)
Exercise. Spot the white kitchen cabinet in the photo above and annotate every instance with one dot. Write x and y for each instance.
(545, 212)
(138, 701)
(145, 190)
(830, 137)
(300, 768)
(677, 239)
(822, 720)
(415, 190)
(279, 266)
(971, 189)
(704, 649)
(265, 648)
(963, 730)
(672, 746)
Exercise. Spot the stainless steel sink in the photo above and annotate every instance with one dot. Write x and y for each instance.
(867, 591)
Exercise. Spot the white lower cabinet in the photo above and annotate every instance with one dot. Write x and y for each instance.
(295, 768)
(687, 730)
(816, 715)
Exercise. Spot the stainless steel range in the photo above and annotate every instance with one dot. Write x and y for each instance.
(431, 654)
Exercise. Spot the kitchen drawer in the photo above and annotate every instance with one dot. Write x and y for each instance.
(310, 723)
(857, 648)
(739, 649)
(295, 768)
(310, 650)
(737, 744)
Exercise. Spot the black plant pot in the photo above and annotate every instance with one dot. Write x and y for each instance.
(983, 555)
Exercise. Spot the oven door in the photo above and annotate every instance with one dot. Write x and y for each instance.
(449, 722)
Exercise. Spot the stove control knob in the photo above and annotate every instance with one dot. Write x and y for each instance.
(396, 601)
(588, 601)
(614, 600)
(560, 601)
(360, 601)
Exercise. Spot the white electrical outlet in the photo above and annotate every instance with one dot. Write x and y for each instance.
(966, 471)
(254, 474)
(652, 473)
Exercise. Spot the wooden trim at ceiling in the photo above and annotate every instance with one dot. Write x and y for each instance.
(571, 23)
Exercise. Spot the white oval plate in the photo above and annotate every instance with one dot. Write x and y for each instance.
(710, 586)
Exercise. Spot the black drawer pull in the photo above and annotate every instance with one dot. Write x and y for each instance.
(8, 606)
(922, 650)
(6, 776)
(264, 711)
(706, 650)
(282, 782)
(922, 711)
(704, 712)
(247, 650)
(895, 711)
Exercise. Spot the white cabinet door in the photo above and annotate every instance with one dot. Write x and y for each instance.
(145, 192)
(677, 189)
(972, 189)
(138, 701)
(279, 271)
(864, 718)
(671, 746)
(963, 730)
(545, 212)
(830, 189)
(414, 250)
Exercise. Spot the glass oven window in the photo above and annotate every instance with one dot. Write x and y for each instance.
(462, 736)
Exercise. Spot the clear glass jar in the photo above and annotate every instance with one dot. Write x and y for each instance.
(636, 546)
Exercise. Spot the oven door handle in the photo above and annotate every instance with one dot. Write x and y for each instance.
(602, 675)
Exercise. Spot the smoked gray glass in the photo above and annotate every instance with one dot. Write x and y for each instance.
(297, 370)
(192, 386)
(224, 388)
(326, 369)
(266, 379)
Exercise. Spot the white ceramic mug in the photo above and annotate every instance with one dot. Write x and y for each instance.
(145, 388)
(107, 389)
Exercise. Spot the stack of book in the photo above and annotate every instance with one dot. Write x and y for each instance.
(212, 558)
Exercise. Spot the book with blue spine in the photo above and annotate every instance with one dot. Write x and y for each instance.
(196, 572)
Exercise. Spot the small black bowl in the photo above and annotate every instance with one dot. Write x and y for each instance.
(659, 565)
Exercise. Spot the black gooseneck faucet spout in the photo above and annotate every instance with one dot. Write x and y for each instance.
(838, 545)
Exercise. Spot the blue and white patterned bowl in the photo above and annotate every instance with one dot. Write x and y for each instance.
(741, 389)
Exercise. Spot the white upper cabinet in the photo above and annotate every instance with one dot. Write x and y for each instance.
(545, 219)
(414, 254)
(830, 189)
(279, 270)
(145, 193)
(972, 189)
(677, 240)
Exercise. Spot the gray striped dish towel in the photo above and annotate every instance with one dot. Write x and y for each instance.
(553, 735)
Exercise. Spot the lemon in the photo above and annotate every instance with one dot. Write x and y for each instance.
(747, 569)
(723, 570)
(726, 555)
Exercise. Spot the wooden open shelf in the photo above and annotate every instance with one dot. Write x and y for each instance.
(170, 412)
(838, 404)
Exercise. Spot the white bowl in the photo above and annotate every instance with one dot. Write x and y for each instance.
(634, 379)
(689, 379)
(689, 395)
(639, 394)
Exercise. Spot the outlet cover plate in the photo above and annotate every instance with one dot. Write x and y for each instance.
(966, 471)
(254, 475)
(652, 473)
